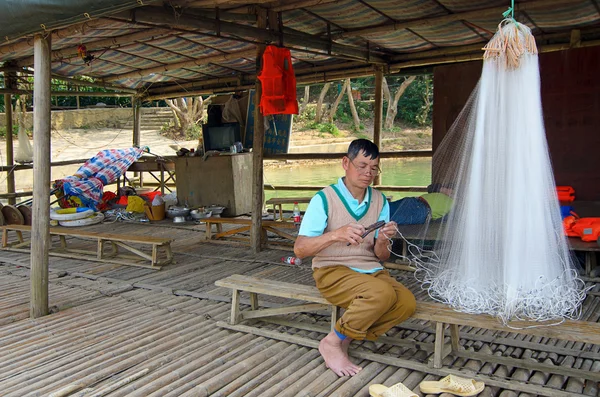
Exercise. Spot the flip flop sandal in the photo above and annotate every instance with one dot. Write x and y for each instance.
(454, 385)
(398, 390)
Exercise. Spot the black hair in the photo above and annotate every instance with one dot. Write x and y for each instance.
(368, 148)
(434, 188)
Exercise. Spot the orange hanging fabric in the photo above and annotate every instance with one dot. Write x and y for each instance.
(278, 82)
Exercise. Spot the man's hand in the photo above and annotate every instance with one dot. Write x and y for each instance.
(351, 233)
(388, 230)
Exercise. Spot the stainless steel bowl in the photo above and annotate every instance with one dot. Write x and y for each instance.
(173, 211)
(215, 209)
(179, 219)
(196, 214)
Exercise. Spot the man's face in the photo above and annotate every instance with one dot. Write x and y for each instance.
(361, 171)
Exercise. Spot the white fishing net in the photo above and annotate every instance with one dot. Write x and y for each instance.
(501, 249)
(25, 150)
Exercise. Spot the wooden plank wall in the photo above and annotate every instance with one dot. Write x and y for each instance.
(571, 102)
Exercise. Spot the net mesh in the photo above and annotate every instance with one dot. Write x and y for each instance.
(501, 249)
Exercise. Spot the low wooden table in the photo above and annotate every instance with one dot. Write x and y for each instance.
(278, 202)
(136, 257)
(244, 225)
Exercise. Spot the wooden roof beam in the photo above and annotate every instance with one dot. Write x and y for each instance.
(71, 52)
(160, 17)
(140, 74)
(201, 84)
(390, 27)
(286, 5)
(221, 3)
(27, 44)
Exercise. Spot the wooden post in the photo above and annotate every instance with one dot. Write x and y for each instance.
(136, 105)
(378, 113)
(40, 228)
(10, 178)
(257, 146)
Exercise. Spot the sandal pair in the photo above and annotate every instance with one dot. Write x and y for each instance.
(450, 384)
(398, 390)
(454, 385)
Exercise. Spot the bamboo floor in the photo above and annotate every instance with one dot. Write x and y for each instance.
(127, 331)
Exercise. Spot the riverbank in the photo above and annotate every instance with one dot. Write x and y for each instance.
(85, 143)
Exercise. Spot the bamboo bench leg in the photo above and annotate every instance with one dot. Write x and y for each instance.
(154, 254)
(253, 300)
(335, 315)
(235, 307)
(100, 252)
(454, 338)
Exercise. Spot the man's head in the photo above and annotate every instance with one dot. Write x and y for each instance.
(361, 163)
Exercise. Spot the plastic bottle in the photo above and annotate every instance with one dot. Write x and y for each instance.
(296, 215)
(291, 260)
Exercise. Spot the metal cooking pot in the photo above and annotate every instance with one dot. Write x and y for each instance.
(174, 211)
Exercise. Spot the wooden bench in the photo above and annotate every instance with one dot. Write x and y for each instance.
(116, 241)
(438, 314)
(278, 202)
(244, 225)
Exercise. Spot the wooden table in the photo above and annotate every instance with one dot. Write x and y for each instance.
(152, 165)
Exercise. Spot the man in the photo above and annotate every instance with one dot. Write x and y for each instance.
(347, 267)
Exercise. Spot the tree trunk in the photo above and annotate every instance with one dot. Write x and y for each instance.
(319, 113)
(337, 102)
(188, 111)
(352, 107)
(306, 98)
(422, 118)
(393, 106)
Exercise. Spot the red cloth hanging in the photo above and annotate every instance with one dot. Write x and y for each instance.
(278, 82)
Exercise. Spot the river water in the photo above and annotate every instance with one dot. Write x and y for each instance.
(396, 172)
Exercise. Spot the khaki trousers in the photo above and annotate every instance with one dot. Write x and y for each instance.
(374, 303)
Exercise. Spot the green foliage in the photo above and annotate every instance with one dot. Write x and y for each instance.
(194, 131)
(308, 114)
(3, 131)
(344, 114)
(395, 129)
(323, 128)
(360, 128)
(412, 107)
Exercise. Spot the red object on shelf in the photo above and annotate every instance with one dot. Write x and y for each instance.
(278, 82)
(566, 194)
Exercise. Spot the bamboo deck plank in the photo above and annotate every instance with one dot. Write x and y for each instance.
(143, 292)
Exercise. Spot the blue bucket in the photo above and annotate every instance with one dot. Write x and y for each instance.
(565, 210)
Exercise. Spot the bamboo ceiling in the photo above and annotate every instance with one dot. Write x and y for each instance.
(172, 47)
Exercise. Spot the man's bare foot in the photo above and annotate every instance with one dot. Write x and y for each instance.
(346, 344)
(335, 357)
